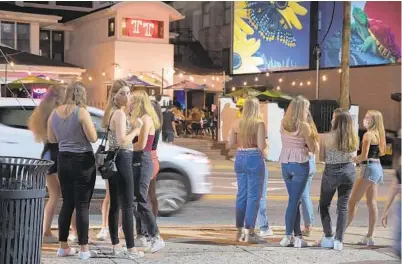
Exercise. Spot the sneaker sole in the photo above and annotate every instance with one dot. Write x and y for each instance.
(156, 249)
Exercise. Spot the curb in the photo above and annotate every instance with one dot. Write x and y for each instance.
(275, 197)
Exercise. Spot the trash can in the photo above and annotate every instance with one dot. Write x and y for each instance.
(22, 193)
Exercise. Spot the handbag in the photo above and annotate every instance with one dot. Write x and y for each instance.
(106, 159)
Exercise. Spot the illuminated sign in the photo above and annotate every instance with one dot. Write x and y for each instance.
(142, 28)
(38, 93)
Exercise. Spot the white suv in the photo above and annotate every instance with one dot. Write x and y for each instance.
(183, 174)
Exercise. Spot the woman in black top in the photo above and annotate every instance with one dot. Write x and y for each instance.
(38, 125)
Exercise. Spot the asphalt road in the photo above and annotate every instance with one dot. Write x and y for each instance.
(218, 207)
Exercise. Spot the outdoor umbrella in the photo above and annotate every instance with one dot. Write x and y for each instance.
(244, 91)
(274, 95)
(138, 82)
(31, 80)
(186, 86)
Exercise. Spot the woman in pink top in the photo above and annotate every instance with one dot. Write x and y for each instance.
(297, 142)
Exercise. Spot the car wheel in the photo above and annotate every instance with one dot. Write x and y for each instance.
(172, 192)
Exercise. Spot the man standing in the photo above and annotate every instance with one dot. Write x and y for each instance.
(169, 126)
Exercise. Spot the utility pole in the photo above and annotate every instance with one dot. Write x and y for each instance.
(344, 100)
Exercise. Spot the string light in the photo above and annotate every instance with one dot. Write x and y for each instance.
(280, 80)
(103, 74)
(47, 78)
(213, 85)
(181, 75)
(245, 83)
(301, 84)
(141, 76)
(130, 74)
(267, 74)
(29, 72)
(293, 83)
(233, 88)
(90, 78)
(278, 88)
(256, 79)
(308, 83)
(205, 80)
(62, 81)
(324, 78)
(12, 64)
(340, 70)
(191, 78)
(213, 78)
(217, 78)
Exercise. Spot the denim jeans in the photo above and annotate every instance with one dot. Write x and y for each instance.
(262, 218)
(77, 177)
(143, 170)
(249, 167)
(122, 195)
(336, 177)
(306, 203)
(295, 176)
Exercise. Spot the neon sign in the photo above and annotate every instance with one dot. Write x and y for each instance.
(133, 27)
(38, 93)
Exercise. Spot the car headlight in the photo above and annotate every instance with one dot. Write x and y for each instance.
(193, 157)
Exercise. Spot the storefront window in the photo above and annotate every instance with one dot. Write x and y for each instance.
(23, 39)
(45, 43)
(111, 26)
(7, 33)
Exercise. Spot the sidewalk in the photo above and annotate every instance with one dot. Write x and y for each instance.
(215, 244)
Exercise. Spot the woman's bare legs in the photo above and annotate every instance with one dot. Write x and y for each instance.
(105, 208)
(53, 186)
(371, 201)
(359, 189)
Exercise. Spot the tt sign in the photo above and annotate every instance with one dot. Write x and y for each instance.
(133, 27)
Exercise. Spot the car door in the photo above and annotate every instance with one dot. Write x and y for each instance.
(16, 139)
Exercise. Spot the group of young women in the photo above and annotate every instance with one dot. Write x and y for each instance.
(133, 124)
(300, 145)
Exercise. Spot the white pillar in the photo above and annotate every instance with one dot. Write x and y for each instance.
(34, 38)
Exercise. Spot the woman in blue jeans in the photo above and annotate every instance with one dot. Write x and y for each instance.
(248, 134)
(297, 141)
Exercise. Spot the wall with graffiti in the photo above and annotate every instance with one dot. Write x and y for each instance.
(270, 36)
(375, 33)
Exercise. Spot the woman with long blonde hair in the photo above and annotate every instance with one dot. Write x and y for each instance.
(38, 125)
(248, 135)
(143, 169)
(121, 132)
(371, 173)
(297, 142)
(337, 148)
(71, 126)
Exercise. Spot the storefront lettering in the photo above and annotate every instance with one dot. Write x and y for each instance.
(142, 28)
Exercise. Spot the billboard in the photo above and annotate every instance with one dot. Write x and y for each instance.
(375, 33)
(270, 36)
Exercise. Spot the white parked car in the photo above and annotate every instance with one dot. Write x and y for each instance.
(183, 174)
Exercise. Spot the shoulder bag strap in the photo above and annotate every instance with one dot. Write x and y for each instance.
(105, 136)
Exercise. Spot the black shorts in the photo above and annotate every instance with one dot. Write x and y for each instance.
(168, 136)
(50, 152)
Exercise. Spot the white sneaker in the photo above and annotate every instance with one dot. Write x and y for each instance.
(103, 234)
(368, 241)
(252, 238)
(240, 236)
(73, 238)
(327, 242)
(141, 241)
(266, 233)
(338, 245)
(83, 255)
(124, 252)
(300, 242)
(66, 252)
(157, 244)
(287, 241)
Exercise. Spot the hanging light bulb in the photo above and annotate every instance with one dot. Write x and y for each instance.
(267, 74)
(217, 78)
(245, 83)
(141, 76)
(308, 82)
(181, 75)
(205, 80)
(90, 78)
(213, 78)
(103, 74)
(293, 83)
(233, 88)
(324, 78)
(12, 64)
(62, 81)
(153, 76)
(340, 70)
(47, 78)
(29, 72)
(191, 78)
(301, 84)
(280, 80)
(256, 79)
(129, 74)
(278, 88)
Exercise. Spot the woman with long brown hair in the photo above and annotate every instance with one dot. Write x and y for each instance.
(121, 132)
(71, 126)
(371, 173)
(143, 170)
(297, 142)
(38, 125)
(337, 148)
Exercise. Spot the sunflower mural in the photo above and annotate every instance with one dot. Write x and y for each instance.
(270, 35)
